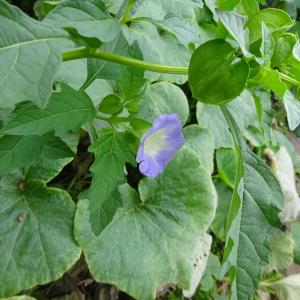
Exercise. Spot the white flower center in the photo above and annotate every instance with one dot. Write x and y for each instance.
(156, 142)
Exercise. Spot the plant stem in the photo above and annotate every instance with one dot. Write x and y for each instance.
(112, 57)
(140, 64)
(124, 18)
(289, 79)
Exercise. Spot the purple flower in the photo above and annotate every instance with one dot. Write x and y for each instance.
(159, 145)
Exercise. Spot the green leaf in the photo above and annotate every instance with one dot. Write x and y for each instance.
(214, 64)
(276, 20)
(267, 44)
(132, 81)
(73, 73)
(283, 48)
(201, 141)
(67, 110)
(43, 7)
(295, 231)
(19, 151)
(36, 233)
(272, 80)
(282, 252)
(56, 149)
(212, 272)
(111, 104)
(179, 27)
(226, 164)
(103, 69)
(256, 203)
(153, 239)
(242, 108)
(251, 7)
(227, 4)
(163, 98)
(29, 58)
(112, 150)
(292, 107)
(218, 226)
(46, 169)
(159, 47)
(235, 24)
(87, 17)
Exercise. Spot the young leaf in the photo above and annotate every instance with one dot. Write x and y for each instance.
(67, 110)
(214, 64)
(111, 104)
(274, 19)
(153, 239)
(87, 17)
(36, 233)
(29, 58)
(112, 150)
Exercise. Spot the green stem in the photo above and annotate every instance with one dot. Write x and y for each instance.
(289, 79)
(127, 11)
(140, 64)
(123, 60)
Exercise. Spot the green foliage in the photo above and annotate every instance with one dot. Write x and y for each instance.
(152, 236)
(112, 150)
(67, 110)
(218, 66)
(84, 86)
(36, 222)
(29, 58)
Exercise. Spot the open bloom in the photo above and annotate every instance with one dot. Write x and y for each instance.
(159, 145)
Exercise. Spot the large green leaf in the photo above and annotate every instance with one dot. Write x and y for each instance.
(256, 203)
(36, 233)
(152, 238)
(30, 54)
(67, 109)
(87, 17)
(163, 98)
(112, 150)
(216, 75)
